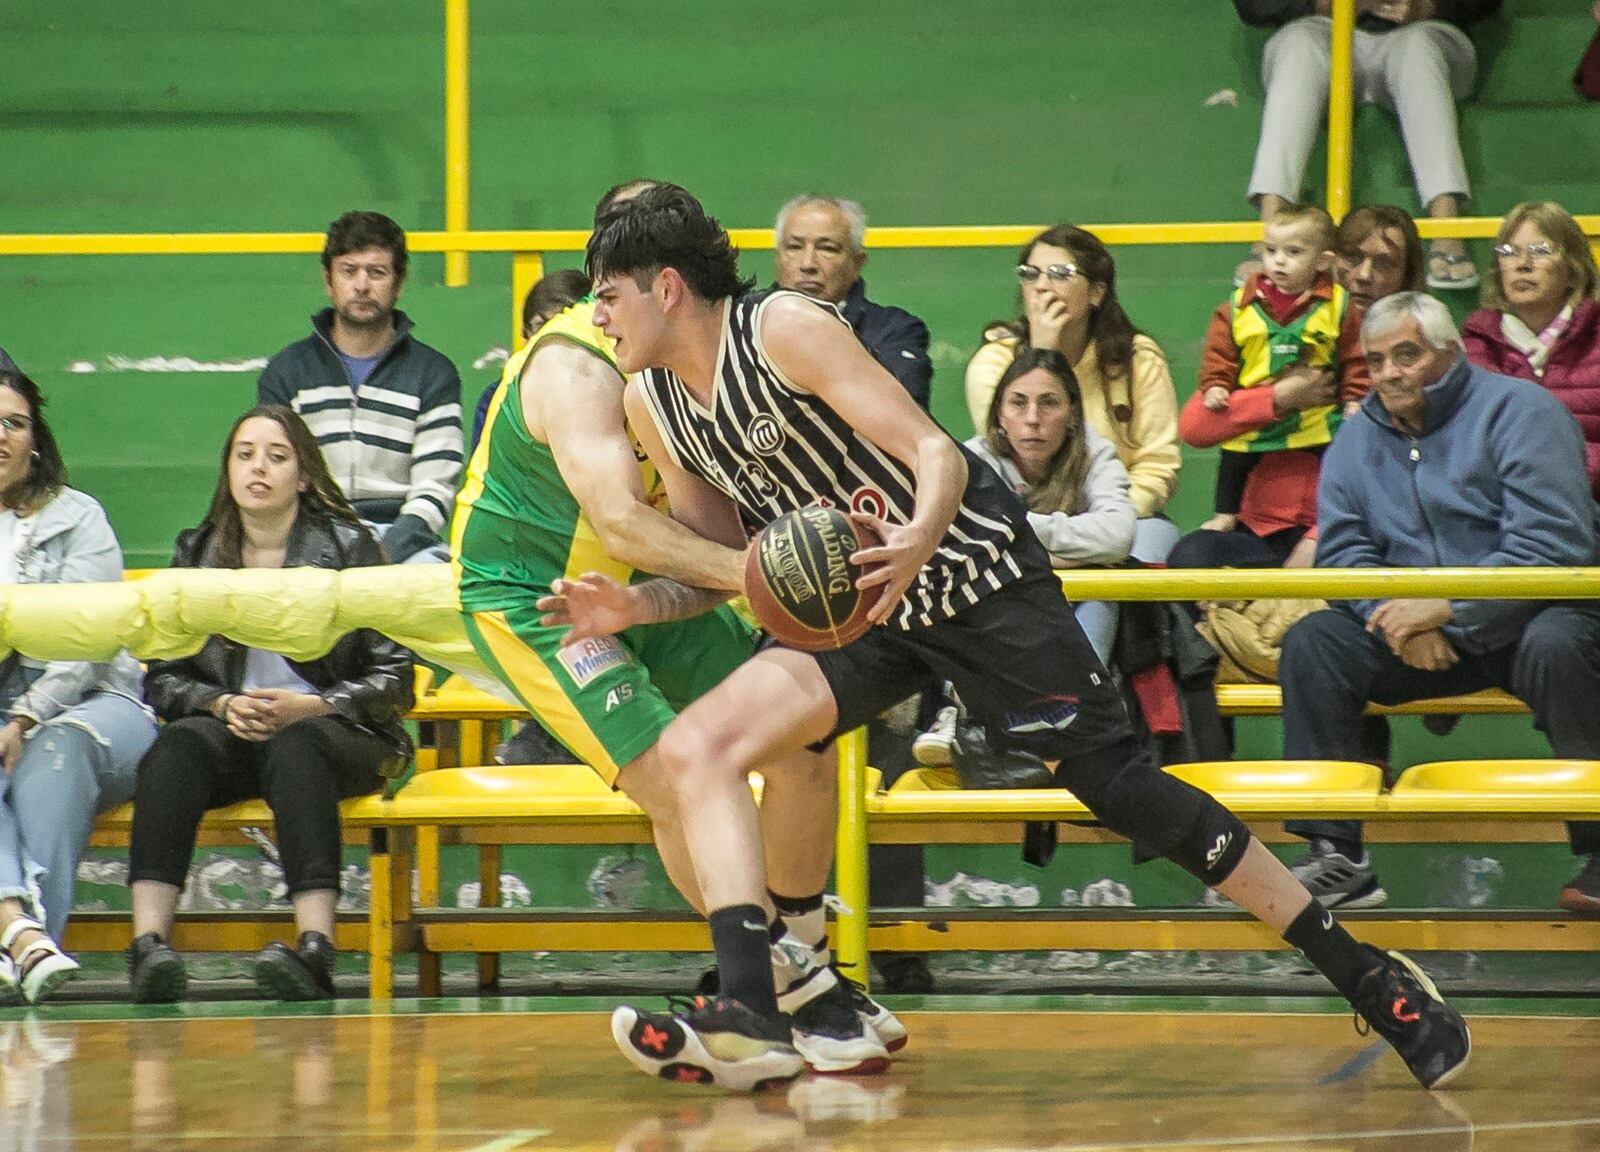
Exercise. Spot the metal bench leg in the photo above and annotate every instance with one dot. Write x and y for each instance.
(389, 925)
(429, 974)
(488, 897)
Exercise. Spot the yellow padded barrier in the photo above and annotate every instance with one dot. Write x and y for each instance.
(1502, 789)
(299, 612)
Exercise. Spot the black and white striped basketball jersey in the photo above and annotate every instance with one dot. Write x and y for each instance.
(774, 449)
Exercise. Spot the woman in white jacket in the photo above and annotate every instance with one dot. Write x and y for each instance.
(1076, 489)
(71, 731)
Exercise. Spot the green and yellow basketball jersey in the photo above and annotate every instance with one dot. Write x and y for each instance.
(516, 526)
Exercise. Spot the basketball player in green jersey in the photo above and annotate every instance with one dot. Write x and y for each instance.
(557, 487)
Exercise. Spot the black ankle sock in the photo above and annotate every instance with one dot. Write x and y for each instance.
(1336, 953)
(744, 959)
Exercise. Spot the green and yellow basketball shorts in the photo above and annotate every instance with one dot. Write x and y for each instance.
(608, 699)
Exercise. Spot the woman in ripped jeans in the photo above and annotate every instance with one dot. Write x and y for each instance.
(73, 730)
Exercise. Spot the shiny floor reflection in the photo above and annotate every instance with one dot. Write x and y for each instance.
(499, 1081)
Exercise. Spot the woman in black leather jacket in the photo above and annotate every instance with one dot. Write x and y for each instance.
(242, 722)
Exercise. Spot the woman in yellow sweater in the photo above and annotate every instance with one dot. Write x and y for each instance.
(1069, 304)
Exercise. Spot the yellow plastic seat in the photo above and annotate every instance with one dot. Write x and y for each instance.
(1532, 788)
(1287, 789)
(926, 780)
(455, 699)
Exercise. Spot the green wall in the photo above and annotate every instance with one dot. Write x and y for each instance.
(209, 116)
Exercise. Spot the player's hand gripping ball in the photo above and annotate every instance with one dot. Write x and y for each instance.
(801, 583)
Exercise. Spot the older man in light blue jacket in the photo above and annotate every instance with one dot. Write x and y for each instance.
(1446, 465)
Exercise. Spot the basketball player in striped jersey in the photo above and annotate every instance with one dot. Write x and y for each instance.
(755, 404)
(557, 486)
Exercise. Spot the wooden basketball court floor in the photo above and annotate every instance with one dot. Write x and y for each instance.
(997, 1073)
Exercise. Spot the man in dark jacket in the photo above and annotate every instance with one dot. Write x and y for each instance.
(1412, 57)
(385, 407)
(820, 254)
(1446, 465)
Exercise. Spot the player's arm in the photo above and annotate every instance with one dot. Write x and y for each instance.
(584, 424)
(817, 353)
(596, 605)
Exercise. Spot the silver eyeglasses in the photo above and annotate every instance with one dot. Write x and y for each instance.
(1058, 273)
(1539, 253)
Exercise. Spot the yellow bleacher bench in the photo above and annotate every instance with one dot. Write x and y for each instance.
(1523, 791)
(1267, 700)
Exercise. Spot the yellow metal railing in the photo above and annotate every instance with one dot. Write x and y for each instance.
(527, 248)
(456, 123)
(1341, 108)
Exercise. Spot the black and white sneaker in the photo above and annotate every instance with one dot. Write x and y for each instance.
(1336, 881)
(830, 1030)
(884, 1024)
(1399, 1001)
(834, 1038)
(702, 1041)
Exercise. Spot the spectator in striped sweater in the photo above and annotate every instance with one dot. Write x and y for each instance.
(385, 407)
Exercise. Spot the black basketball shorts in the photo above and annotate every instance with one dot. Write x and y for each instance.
(1017, 658)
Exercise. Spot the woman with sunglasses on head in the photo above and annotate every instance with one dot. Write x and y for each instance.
(1068, 284)
(1540, 319)
(244, 722)
(72, 730)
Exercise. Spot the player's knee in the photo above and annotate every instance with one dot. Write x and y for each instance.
(1164, 815)
(643, 781)
(694, 756)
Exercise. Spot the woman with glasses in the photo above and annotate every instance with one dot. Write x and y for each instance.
(71, 731)
(1068, 285)
(1540, 320)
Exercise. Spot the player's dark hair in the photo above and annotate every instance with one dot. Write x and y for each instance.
(665, 227)
(553, 293)
(627, 190)
(355, 231)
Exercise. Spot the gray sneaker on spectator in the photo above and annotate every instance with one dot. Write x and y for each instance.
(1337, 881)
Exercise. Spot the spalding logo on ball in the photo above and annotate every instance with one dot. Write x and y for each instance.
(801, 584)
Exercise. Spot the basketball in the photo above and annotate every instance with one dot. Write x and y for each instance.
(801, 584)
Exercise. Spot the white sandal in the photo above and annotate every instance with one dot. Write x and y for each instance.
(42, 967)
(10, 986)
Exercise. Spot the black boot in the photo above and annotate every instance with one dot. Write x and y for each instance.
(155, 972)
(304, 972)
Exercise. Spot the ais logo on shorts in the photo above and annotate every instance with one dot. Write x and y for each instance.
(588, 658)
